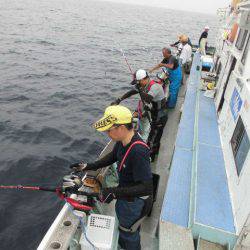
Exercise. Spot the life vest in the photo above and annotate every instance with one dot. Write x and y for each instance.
(156, 106)
(152, 82)
(128, 151)
(148, 200)
(140, 104)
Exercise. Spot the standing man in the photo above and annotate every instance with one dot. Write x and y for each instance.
(135, 189)
(186, 52)
(203, 41)
(175, 75)
(152, 93)
(185, 58)
(178, 44)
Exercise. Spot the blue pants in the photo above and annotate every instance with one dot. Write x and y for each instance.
(128, 213)
(175, 77)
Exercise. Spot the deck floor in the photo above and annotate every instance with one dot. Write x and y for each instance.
(161, 167)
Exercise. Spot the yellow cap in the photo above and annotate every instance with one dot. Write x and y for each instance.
(115, 114)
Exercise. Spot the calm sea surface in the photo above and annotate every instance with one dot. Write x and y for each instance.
(60, 65)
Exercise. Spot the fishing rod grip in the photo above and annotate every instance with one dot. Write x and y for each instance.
(49, 189)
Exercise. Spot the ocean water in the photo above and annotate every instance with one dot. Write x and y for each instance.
(61, 64)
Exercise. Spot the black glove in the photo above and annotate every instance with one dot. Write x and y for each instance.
(133, 82)
(116, 102)
(106, 195)
(79, 166)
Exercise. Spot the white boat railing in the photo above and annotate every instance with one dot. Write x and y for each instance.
(62, 232)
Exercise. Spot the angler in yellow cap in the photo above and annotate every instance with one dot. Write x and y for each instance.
(135, 189)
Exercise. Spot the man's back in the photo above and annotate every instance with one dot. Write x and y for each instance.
(171, 60)
(186, 53)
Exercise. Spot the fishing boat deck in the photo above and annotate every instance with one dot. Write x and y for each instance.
(193, 198)
(59, 233)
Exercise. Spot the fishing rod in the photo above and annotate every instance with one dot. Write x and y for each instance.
(32, 188)
(126, 60)
(134, 82)
(70, 186)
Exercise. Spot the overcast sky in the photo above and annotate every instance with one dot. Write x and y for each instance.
(204, 6)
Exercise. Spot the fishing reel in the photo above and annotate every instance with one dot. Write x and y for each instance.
(85, 188)
(71, 183)
(74, 183)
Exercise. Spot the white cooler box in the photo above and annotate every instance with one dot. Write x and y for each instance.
(101, 231)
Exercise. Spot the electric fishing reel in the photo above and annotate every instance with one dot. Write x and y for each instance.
(85, 188)
(74, 183)
(71, 183)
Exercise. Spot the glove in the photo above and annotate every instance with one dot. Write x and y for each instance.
(134, 82)
(116, 102)
(79, 166)
(106, 195)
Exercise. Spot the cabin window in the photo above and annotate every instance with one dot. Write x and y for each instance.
(241, 39)
(244, 56)
(240, 145)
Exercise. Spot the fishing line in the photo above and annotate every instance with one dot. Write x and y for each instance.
(124, 57)
(126, 60)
